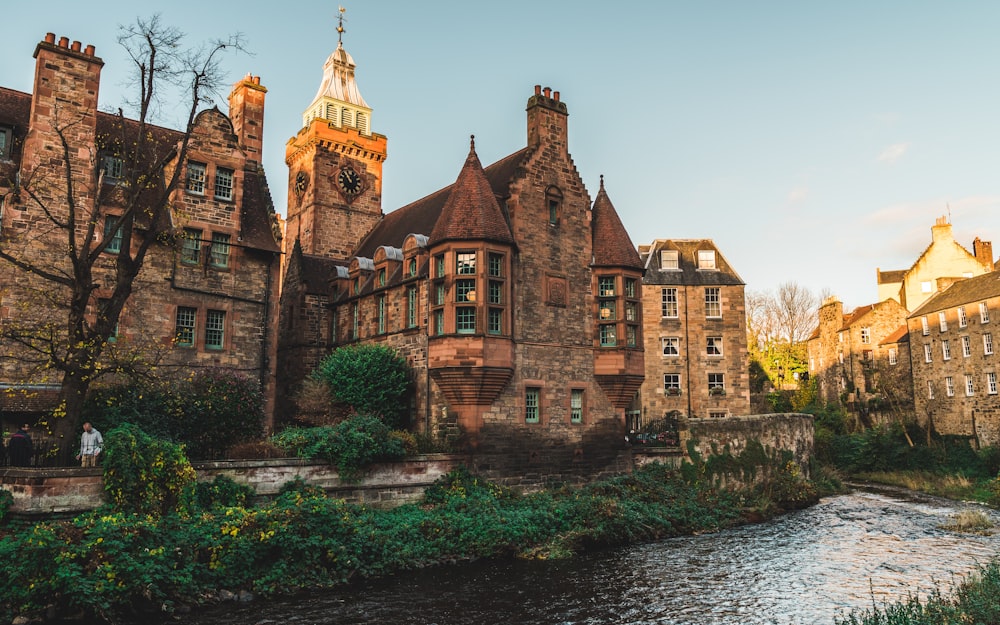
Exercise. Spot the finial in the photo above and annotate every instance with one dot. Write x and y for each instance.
(340, 25)
(602, 181)
(472, 143)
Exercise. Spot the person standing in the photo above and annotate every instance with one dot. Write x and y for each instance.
(20, 448)
(91, 443)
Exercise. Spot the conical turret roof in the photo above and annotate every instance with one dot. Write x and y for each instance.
(612, 245)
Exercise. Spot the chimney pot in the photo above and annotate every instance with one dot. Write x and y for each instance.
(89, 50)
(548, 92)
(256, 80)
(50, 37)
(64, 42)
(538, 88)
(76, 46)
(555, 94)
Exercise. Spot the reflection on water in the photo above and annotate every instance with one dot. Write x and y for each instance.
(805, 567)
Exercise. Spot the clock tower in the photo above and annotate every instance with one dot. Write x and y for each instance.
(335, 165)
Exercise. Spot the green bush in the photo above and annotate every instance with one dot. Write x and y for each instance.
(371, 379)
(6, 501)
(143, 474)
(208, 412)
(351, 445)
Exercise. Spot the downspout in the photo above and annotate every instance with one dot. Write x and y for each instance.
(687, 348)
(264, 360)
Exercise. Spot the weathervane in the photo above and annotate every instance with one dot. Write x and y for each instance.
(340, 25)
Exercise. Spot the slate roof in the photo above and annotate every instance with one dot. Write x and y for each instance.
(688, 273)
(855, 315)
(421, 216)
(612, 245)
(257, 209)
(966, 291)
(471, 210)
(891, 277)
(315, 272)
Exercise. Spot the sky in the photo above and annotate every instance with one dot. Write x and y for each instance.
(814, 142)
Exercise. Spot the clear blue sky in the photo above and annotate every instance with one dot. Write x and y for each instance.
(813, 141)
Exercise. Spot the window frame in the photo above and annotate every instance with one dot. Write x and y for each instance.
(220, 250)
(532, 404)
(707, 260)
(984, 313)
(191, 246)
(866, 335)
(195, 177)
(963, 319)
(713, 346)
(665, 341)
(115, 244)
(949, 386)
(668, 299)
(215, 329)
(228, 190)
(991, 383)
(966, 347)
(928, 356)
(185, 326)
(672, 381)
(987, 344)
(945, 349)
(942, 322)
(713, 302)
(576, 403)
(6, 142)
(970, 389)
(670, 260)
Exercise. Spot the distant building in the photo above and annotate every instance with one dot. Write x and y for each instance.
(514, 297)
(694, 323)
(955, 365)
(207, 294)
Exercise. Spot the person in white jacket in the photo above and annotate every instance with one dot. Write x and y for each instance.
(91, 443)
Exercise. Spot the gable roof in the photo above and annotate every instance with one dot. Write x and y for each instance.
(687, 273)
(901, 335)
(611, 243)
(965, 291)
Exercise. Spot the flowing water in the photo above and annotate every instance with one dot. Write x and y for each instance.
(847, 552)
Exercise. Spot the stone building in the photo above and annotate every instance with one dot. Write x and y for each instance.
(694, 324)
(513, 296)
(940, 264)
(206, 295)
(954, 360)
(846, 351)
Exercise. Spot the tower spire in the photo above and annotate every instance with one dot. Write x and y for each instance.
(340, 25)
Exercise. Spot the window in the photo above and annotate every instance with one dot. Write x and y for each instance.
(381, 314)
(102, 307)
(713, 303)
(608, 336)
(868, 355)
(717, 383)
(669, 302)
(413, 267)
(438, 322)
(184, 326)
(112, 235)
(196, 178)
(113, 168)
(893, 356)
(927, 352)
(465, 320)
(866, 335)
(924, 327)
(946, 350)
(494, 321)
(465, 290)
(984, 313)
(223, 183)
(930, 390)
(631, 336)
(969, 391)
(706, 259)
(926, 286)
(713, 345)
(220, 250)
(987, 344)
(411, 307)
(606, 286)
(576, 405)
(671, 346)
(668, 259)
(381, 277)
(215, 329)
(191, 246)
(672, 383)
(630, 288)
(963, 320)
(465, 263)
(495, 295)
(949, 386)
(942, 322)
(991, 382)
(532, 410)
(496, 265)
(6, 141)
(717, 414)
(840, 357)
(439, 266)
(609, 310)
(966, 347)
(553, 199)
(355, 322)
(439, 294)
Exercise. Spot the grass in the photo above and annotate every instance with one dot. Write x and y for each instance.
(950, 486)
(970, 522)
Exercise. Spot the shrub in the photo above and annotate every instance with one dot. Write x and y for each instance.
(143, 474)
(371, 379)
(350, 445)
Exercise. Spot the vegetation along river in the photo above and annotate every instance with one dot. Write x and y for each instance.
(805, 567)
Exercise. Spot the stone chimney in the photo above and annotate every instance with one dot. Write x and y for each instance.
(547, 117)
(246, 110)
(983, 251)
(941, 231)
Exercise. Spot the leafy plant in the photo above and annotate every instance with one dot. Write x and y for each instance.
(371, 379)
(143, 474)
(350, 445)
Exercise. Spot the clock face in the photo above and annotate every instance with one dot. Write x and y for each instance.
(301, 181)
(349, 182)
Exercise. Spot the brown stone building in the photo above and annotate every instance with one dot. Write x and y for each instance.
(845, 351)
(513, 296)
(206, 295)
(694, 324)
(954, 359)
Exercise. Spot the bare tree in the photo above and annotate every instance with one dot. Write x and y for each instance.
(777, 325)
(795, 311)
(69, 332)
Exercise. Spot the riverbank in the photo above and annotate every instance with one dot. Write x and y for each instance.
(109, 564)
(949, 485)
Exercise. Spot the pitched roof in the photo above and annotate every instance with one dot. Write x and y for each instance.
(901, 335)
(855, 315)
(612, 245)
(315, 272)
(687, 272)
(471, 210)
(891, 277)
(966, 291)
(421, 216)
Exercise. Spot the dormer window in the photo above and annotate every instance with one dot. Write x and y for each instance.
(554, 199)
(669, 259)
(706, 259)
(413, 267)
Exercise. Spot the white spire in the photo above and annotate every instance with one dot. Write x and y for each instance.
(338, 100)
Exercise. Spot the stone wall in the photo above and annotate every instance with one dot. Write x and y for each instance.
(787, 431)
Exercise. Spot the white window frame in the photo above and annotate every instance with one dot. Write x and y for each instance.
(984, 313)
(927, 352)
(671, 380)
(930, 389)
(942, 322)
(963, 319)
(946, 350)
(924, 326)
(668, 303)
(926, 286)
(706, 259)
(866, 335)
(966, 347)
(991, 382)
(713, 302)
(215, 329)
(893, 356)
(949, 386)
(225, 183)
(969, 390)
(987, 344)
(668, 341)
(713, 346)
(670, 260)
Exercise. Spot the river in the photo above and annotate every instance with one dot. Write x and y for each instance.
(805, 567)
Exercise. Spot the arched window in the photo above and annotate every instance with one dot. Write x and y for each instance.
(553, 201)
